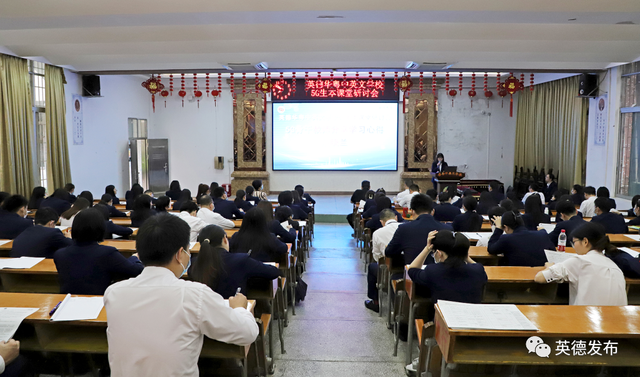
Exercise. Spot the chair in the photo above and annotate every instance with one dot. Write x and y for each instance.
(426, 337)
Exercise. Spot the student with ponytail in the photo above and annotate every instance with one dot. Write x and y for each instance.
(222, 271)
(520, 247)
(454, 276)
(594, 279)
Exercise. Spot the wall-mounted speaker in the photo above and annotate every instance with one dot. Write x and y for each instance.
(219, 162)
(91, 86)
(588, 85)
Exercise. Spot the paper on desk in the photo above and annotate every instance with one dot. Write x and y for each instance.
(635, 237)
(78, 309)
(134, 229)
(302, 223)
(19, 263)
(485, 217)
(552, 219)
(192, 245)
(548, 227)
(62, 228)
(627, 220)
(484, 316)
(270, 263)
(631, 252)
(286, 225)
(558, 257)
(249, 304)
(10, 319)
(2, 242)
(471, 235)
(252, 202)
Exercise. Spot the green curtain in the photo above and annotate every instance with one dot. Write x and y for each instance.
(58, 168)
(551, 130)
(16, 126)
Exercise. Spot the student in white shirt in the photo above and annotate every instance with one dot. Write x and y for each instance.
(157, 321)
(588, 206)
(66, 219)
(413, 191)
(381, 239)
(593, 278)
(407, 183)
(9, 352)
(533, 190)
(189, 214)
(208, 216)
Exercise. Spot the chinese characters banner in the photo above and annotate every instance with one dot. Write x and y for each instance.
(337, 89)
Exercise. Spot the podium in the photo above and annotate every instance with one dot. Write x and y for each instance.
(448, 181)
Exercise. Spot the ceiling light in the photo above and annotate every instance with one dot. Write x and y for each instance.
(262, 66)
(412, 65)
(572, 19)
(328, 17)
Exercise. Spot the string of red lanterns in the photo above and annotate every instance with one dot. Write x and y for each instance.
(487, 93)
(433, 84)
(182, 92)
(531, 83)
(421, 83)
(472, 92)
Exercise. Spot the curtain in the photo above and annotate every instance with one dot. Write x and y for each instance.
(16, 126)
(551, 130)
(58, 168)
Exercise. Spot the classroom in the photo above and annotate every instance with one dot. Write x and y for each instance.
(354, 188)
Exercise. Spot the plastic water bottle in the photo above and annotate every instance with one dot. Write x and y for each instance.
(562, 241)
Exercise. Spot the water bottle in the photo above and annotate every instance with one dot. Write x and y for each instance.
(562, 241)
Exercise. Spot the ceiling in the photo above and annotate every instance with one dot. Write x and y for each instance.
(166, 35)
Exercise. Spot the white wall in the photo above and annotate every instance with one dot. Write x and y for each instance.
(480, 140)
(196, 136)
(103, 158)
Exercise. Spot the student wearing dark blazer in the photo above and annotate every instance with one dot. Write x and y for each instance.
(88, 268)
(249, 190)
(438, 166)
(300, 206)
(111, 229)
(631, 212)
(70, 188)
(141, 210)
(59, 201)
(254, 239)
(636, 213)
(567, 211)
(411, 237)
(240, 201)
(37, 196)
(603, 192)
(357, 196)
(520, 247)
(131, 195)
(111, 190)
(304, 195)
(382, 203)
(222, 271)
(224, 207)
(612, 222)
(12, 217)
(283, 215)
(533, 214)
(577, 194)
(486, 203)
(107, 200)
(185, 197)
(174, 190)
(469, 221)
(494, 189)
(285, 198)
(43, 239)
(467, 192)
(445, 211)
(550, 187)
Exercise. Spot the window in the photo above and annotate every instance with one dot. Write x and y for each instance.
(628, 178)
(36, 70)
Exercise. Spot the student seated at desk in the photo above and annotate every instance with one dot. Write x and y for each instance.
(13, 217)
(405, 184)
(224, 207)
(3, 195)
(550, 186)
(222, 271)
(141, 210)
(411, 237)
(70, 188)
(111, 229)
(299, 205)
(174, 190)
(131, 195)
(588, 207)
(533, 213)
(593, 278)
(612, 222)
(496, 211)
(631, 211)
(207, 214)
(87, 195)
(566, 210)
(369, 201)
(111, 190)
(43, 239)
(305, 196)
(254, 239)
(382, 203)
(285, 198)
(258, 188)
(240, 201)
(445, 211)
(189, 213)
(636, 212)
(555, 198)
(185, 197)
(67, 217)
(485, 203)
(603, 192)
(454, 276)
(494, 189)
(249, 190)
(577, 194)
(107, 200)
(380, 240)
(162, 204)
(373, 209)
(37, 196)
(469, 221)
(517, 203)
(283, 226)
(149, 193)
(59, 201)
(533, 190)
(87, 268)
(157, 321)
(357, 196)
(202, 190)
(466, 193)
(508, 205)
(413, 191)
(12, 364)
(520, 247)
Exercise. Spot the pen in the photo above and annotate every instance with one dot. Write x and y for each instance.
(54, 309)
(238, 290)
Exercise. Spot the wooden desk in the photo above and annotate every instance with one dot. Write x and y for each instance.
(515, 285)
(122, 221)
(555, 322)
(622, 240)
(481, 255)
(237, 223)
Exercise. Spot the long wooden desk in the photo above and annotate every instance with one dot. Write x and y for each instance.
(619, 324)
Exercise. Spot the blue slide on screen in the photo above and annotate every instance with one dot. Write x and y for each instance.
(335, 136)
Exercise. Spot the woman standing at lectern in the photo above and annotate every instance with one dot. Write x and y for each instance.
(438, 166)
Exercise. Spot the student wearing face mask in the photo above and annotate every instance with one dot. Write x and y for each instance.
(520, 247)
(159, 314)
(13, 219)
(594, 279)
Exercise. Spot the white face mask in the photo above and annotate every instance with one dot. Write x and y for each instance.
(493, 228)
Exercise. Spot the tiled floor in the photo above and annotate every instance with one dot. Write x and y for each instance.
(333, 334)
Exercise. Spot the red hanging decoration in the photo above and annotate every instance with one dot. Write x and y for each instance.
(421, 82)
(265, 87)
(404, 84)
(531, 83)
(232, 85)
(306, 82)
(487, 93)
(170, 85)
(165, 94)
(472, 92)
(433, 84)
(446, 83)
(511, 86)
(244, 83)
(207, 81)
(293, 82)
(196, 92)
(215, 93)
(383, 82)
(460, 83)
(522, 80)
(182, 93)
(395, 81)
(319, 77)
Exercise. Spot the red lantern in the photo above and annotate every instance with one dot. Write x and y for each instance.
(170, 85)
(472, 92)
(293, 82)
(153, 85)
(265, 86)
(433, 84)
(453, 92)
(531, 85)
(395, 81)
(198, 95)
(421, 82)
(511, 86)
(404, 84)
(182, 93)
(165, 94)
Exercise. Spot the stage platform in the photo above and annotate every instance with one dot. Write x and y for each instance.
(329, 208)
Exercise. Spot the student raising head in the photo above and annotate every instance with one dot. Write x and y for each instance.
(594, 279)
(255, 239)
(520, 246)
(87, 268)
(249, 190)
(42, 240)
(603, 192)
(222, 271)
(131, 195)
(37, 196)
(577, 194)
(203, 190)
(445, 211)
(185, 196)
(111, 190)
(224, 207)
(454, 276)
(486, 202)
(258, 189)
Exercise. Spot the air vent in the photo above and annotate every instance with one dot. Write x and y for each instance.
(239, 66)
(328, 17)
(625, 23)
